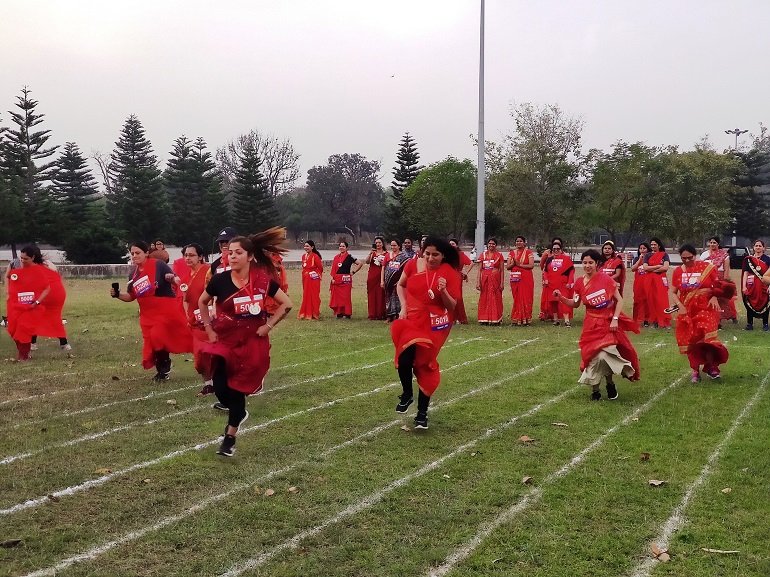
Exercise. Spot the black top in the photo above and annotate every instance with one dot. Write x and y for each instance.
(344, 268)
(221, 286)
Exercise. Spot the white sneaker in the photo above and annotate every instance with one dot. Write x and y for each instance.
(33, 347)
(67, 347)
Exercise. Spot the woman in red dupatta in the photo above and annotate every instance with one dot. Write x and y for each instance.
(521, 261)
(755, 293)
(612, 265)
(465, 261)
(428, 290)
(312, 269)
(239, 342)
(656, 266)
(490, 282)
(641, 278)
(375, 294)
(720, 258)
(558, 274)
(605, 350)
(36, 297)
(191, 290)
(164, 325)
(344, 266)
(544, 306)
(696, 290)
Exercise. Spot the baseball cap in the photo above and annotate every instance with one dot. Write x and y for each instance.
(226, 233)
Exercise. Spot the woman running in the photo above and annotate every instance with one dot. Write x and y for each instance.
(720, 258)
(191, 291)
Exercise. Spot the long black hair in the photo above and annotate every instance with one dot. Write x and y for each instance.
(263, 245)
(661, 248)
(33, 251)
(450, 253)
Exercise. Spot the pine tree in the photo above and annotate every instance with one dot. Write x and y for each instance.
(75, 187)
(27, 171)
(137, 205)
(405, 172)
(253, 208)
(210, 186)
(11, 199)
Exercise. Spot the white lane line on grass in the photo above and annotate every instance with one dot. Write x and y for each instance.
(99, 550)
(677, 519)
(462, 552)
(11, 458)
(335, 357)
(37, 501)
(42, 375)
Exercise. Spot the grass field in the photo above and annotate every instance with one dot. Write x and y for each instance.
(104, 473)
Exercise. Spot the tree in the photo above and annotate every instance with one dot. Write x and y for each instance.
(280, 162)
(253, 207)
(75, 187)
(11, 199)
(96, 243)
(348, 189)
(29, 172)
(137, 205)
(534, 187)
(208, 184)
(405, 172)
(442, 198)
(750, 205)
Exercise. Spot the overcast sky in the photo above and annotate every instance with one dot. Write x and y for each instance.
(337, 76)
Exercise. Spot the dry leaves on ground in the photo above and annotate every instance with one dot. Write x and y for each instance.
(727, 490)
(719, 551)
(171, 402)
(526, 439)
(269, 492)
(656, 483)
(660, 554)
(644, 457)
(103, 471)
(563, 425)
(405, 428)
(527, 480)
(293, 490)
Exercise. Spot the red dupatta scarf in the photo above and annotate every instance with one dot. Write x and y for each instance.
(757, 298)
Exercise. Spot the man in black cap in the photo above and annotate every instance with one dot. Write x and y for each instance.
(224, 237)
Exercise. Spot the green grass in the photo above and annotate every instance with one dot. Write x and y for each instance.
(374, 499)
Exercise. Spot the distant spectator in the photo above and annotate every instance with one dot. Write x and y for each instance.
(159, 251)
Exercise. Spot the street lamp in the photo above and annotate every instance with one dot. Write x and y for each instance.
(737, 132)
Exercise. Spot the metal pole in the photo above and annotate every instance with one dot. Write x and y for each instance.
(481, 163)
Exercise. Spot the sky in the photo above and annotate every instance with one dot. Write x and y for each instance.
(344, 76)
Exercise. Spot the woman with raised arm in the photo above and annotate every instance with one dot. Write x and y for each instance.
(165, 329)
(312, 270)
(641, 306)
(656, 265)
(605, 350)
(239, 340)
(521, 261)
(697, 287)
(344, 266)
(755, 293)
(490, 283)
(720, 258)
(428, 290)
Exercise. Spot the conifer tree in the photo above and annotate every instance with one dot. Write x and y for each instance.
(210, 185)
(404, 173)
(75, 187)
(11, 199)
(253, 208)
(29, 171)
(137, 205)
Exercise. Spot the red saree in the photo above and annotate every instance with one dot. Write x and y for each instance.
(718, 259)
(756, 298)
(340, 288)
(312, 269)
(611, 265)
(641, 305)
(597, 296)
(280, 278)
(374, 292)
(427, 323)
(462, 316)
(25, 319)
(490, 280)
(163, 322)
(657, 291)
(191, 291)
(558, 272)
(246, 355)
(696, 327)
(522, 287)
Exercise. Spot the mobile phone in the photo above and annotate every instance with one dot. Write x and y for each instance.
(115, 290)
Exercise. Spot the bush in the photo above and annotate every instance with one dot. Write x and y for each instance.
(95, 244)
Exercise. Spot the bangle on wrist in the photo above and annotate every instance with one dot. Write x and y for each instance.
(271, 326)
(615, 318)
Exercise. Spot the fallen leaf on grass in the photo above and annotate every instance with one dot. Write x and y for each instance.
(293, 490)
(644, 457)
(54, 498)
(11, 543)
(526, 439)
(85, 330)
(656, 483)
(114, 378)
(269, 492)
(560, 425)
(755, 375)
(146, 481)
(635, 419)
(497, 560)
(103, 471)
(446, 476)
(171, 402)
(660, 554)
(719, 551)
(727, 490)
(474, 454)
(405, 428)
(527, 480)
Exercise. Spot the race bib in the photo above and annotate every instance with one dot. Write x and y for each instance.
(394, 265)
(599, 299)
(212, 313)
(346, 279)
(314, 275)
(26, 298)
(488, 264)
(665, 281)
(250, 306)
(555, 264)
(749, 281)
(378, 260)
(142, 286)
(609, 271)
(222, 269)
(516, 276)
(690, 279)
(439, 322)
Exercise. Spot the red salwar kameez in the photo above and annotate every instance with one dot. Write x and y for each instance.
(312, 269)
(375, 294)
(427, 323)
(697, 325)
(559, 272)
(604, 352)
(491, 286)
(657, 291)
(522, 287)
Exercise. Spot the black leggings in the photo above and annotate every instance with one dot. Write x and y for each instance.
(234, 400)
(405, 372)
(62, 340)
(751, 315)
